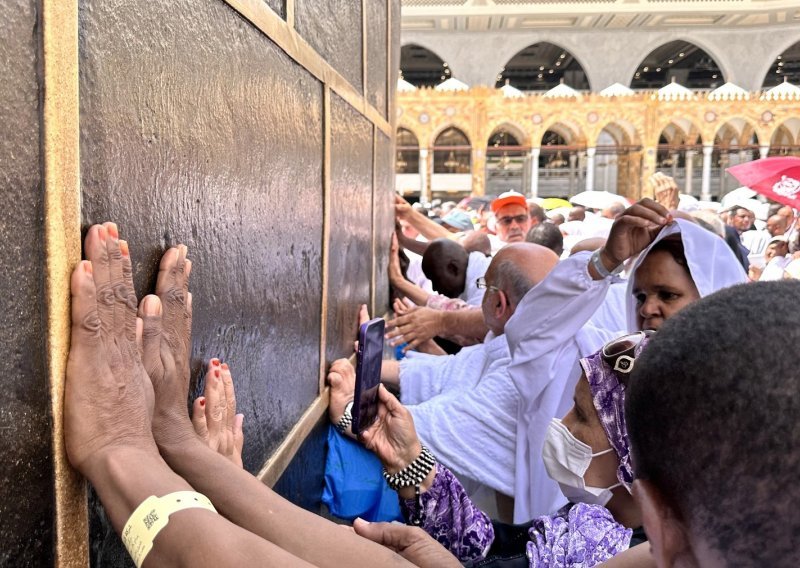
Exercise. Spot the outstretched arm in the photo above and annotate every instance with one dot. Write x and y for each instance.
(399, 282)
(237, 495)
(423, 324)
(428, 228)
(107, 407)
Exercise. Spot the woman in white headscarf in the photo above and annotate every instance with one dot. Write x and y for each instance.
(678, 262)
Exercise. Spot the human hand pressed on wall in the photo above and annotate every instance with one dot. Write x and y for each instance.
(342, 381)
(166, 344)
(412, 543)
(665, 190)
(392, 437)
(395, 272)
(402, 208)
(214, 414)
(416, 327)
(633, 231)
(108, 397)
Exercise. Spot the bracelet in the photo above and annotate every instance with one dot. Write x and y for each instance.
(601, 269)
(153, 515)
(346, 420)
(414, 473)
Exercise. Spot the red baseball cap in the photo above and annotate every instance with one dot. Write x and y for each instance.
(509, 198)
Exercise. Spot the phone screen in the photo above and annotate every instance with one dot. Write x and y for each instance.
(368, 374)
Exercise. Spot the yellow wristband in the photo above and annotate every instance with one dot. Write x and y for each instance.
(153, 515)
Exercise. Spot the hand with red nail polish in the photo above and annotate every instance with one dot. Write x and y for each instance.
(214, 414)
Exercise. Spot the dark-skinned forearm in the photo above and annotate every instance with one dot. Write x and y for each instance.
(125, 477)
(252, 505)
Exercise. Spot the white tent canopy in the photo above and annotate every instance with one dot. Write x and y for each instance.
(452, 84)
(404, 86)
(509, 91)
(562, 91)
(728, 92)
(616, 90)
(674, 92)
(783, 92)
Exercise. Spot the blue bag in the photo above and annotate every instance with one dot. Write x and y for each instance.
(354, 484)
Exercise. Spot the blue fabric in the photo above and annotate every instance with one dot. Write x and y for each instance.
(354, 485)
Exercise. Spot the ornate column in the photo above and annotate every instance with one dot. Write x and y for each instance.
(763, 150)
(478, 171)
(705, 187)
(689, 159)
(590, 153)
(675, 158)
(573, 160)
(534, 158)
(424, 185)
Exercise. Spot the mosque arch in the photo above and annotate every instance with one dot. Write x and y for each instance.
(618, 157)
(679, 153)
(452, 152)
(785, 139)
(736, 132)
(422, 67)
(407, 152)
(785, 66)
(506, 160)
(562, 160)
(688, 63)
(735, 142)
(541, 66)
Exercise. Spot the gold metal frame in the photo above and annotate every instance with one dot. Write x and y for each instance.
(61, 156)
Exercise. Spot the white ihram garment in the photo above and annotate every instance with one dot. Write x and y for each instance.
(553, 326)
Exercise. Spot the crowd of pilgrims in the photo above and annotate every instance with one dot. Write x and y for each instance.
(569, 388)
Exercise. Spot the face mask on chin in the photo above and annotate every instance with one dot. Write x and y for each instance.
(566, 460)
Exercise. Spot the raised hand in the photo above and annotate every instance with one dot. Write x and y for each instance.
(665, 190)
(214, 414)
(633, 231)
(107, 398)
(402, 208)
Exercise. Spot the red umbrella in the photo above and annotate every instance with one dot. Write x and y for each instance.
(776, 178)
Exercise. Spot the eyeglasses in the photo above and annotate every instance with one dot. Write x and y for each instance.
(481, 284)
(619, 353)
(506, 221)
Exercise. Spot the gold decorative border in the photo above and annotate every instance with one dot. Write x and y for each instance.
(285, 36)
(326, 233)
(61, 167)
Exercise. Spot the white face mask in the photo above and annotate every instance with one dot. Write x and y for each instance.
(566, 459)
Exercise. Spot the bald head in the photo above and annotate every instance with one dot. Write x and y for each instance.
(577, 213)
(590, 245)
(445, 265)
(514, 270)
(777, 225)
(518, 267)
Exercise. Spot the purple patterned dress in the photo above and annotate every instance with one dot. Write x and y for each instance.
(578, 536)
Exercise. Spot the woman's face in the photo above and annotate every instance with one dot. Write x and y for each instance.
(582, 421)
(662, 288)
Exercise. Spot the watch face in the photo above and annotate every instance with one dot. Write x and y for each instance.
(348, 409)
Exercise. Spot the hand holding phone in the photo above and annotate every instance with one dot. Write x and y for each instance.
(368, 374)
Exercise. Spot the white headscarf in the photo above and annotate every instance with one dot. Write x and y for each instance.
(712, 264)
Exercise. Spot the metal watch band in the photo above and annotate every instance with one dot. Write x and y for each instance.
(346, 420)
(601, 268)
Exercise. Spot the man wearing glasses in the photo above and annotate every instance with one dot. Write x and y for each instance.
(512, 219)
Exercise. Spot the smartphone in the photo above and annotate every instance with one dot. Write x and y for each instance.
(368, 374)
